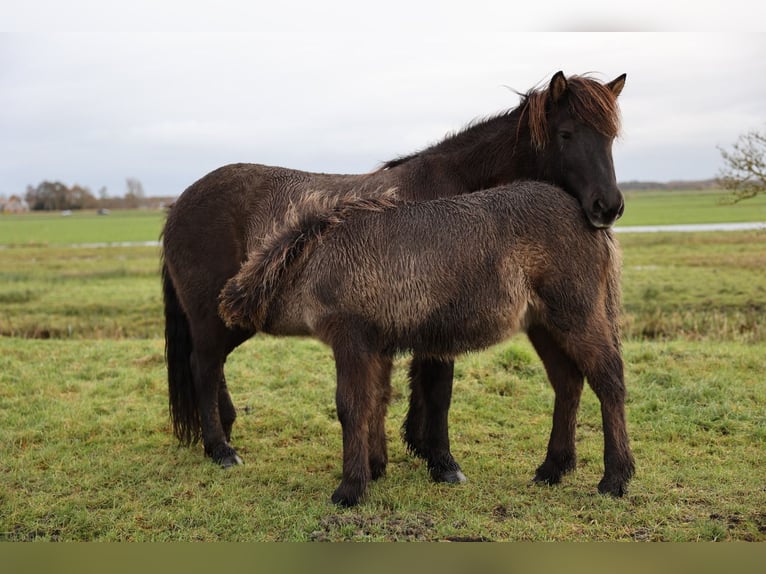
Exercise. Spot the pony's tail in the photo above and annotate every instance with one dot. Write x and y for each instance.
(245, 299)
(178, 348)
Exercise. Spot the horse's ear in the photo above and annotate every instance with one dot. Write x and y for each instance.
(558, 86)
(617, 84)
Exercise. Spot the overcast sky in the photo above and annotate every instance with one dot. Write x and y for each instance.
(93, 93)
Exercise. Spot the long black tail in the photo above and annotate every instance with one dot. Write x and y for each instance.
(178, 349)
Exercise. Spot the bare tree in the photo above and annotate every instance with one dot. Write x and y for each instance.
(744, 171)
(135, 194)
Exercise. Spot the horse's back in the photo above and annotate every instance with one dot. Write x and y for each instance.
(225, 214)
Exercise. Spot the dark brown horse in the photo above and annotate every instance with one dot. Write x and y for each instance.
(562, 134)
(440, 278)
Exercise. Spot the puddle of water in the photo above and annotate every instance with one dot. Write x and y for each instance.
(692, 227)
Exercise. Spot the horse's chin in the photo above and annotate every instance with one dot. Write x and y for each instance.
(599, 221)
(601, 224)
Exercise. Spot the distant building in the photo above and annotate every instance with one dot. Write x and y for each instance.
(14, 204)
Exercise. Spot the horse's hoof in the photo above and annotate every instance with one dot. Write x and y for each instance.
(225, 456)
(452, 476)
(231, 460)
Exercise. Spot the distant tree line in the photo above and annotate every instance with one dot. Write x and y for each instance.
(669, 185)
(57, 196)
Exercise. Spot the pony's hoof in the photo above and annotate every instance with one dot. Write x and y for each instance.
(546, 479)
(550, 473)
(377, 470)
(346, 497)
(613, 487)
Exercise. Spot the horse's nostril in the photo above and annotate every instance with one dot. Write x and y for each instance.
(598, 206)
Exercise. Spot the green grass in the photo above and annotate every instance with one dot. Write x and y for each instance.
(694, 285)
(682, 207)
(88, 453)
(81, 227)
(80, 292)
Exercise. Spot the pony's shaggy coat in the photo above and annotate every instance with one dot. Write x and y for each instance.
(371, 279)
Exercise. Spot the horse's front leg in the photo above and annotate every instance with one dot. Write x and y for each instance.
(426, 428)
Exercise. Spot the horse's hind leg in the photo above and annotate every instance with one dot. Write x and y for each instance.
(377, 442)
(216, 409)
(226, 408)
(426, 428)
(567, 381)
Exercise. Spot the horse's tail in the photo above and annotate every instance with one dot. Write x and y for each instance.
(245, 299)
(178, 348)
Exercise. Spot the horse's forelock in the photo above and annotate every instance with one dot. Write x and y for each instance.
(589, 100)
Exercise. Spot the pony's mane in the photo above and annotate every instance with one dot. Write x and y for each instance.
(245, 299)
(589, 101)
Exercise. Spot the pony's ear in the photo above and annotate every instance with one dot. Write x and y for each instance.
(617, 84)
(558, 86)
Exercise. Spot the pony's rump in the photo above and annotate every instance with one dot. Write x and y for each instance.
(245, 298)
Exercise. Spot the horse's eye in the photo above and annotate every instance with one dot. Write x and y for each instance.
(565, 135)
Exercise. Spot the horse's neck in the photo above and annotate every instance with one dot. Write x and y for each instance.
(490, 153)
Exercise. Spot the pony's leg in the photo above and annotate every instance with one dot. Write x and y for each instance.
(567, 381)
(377, 442)
(426, 428)
(598, 356)
(606, 378)
(355, 399)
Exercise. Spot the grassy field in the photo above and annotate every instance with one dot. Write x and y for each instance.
(88, 453)
(81, 227)
(681, 207)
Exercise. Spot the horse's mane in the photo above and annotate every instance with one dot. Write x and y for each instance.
(590, 101)
(245, 299)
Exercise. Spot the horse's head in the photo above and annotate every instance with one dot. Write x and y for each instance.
(573, 124)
